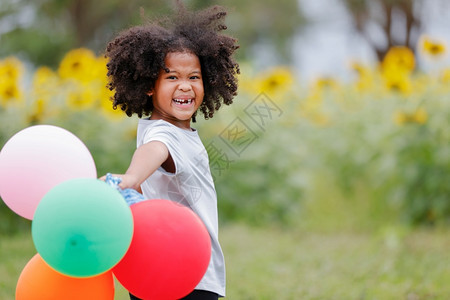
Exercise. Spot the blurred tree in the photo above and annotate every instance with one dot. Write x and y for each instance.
(387, 23)
(256, 22)
(385, 18)
(43, 30)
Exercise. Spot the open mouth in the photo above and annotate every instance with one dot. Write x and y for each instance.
(183, 101)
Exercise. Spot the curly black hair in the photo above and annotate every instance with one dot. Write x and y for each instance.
(136, 56)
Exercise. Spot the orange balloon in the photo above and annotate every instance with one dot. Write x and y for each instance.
(39, 281)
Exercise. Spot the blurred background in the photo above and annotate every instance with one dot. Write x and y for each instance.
(342, 118)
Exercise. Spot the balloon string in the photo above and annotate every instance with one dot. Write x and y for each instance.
(131, 196)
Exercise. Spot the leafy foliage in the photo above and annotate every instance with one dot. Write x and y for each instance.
(381, 151)
(53, 27)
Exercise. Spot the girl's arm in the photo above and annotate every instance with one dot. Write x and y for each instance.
(146, 159)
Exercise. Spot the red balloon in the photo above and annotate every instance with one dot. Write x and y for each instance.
(39, 281)
(169, 252)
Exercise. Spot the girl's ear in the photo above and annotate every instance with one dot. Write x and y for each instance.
(150, 93)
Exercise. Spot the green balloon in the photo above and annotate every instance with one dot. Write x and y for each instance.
(82, 227)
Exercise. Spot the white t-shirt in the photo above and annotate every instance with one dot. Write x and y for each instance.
(191, 185)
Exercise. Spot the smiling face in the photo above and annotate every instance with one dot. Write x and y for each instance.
(178, 93)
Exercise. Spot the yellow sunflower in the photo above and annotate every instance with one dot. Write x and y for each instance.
(99, 69)
(276, 80)
(365, 77)
(325, 83)
(11, 70)
(398, 81)
(45, 86)
(38, 111)
(45, 82)
(445, 76)
(9, 91)
(83, 96)
(246, 79)
(79, 64)
(107, 106)
(247, 84)
(44, 76)
(399, 58)
(432, 47)
(419, 116)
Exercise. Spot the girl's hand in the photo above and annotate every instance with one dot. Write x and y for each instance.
(128, 181)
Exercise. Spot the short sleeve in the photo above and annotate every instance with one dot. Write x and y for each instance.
(164, 134)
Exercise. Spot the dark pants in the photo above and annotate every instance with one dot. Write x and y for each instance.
(195, 295)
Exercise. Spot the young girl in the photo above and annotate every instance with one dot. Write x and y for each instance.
(171, 70)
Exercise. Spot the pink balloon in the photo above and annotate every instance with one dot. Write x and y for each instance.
(35, 160)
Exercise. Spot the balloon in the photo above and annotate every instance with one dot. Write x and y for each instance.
(39, 281)
(82, 227)
(169, 253)
(36, 159)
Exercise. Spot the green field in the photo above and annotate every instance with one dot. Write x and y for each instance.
(271, 263)
(326, 190)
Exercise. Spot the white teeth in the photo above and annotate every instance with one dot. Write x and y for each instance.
(183, 101)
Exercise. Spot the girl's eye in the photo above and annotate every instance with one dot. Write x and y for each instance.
(171, 77)
(195, 77)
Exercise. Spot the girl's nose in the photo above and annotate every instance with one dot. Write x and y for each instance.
(184, 86)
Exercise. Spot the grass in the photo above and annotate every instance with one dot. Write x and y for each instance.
(274, 263)
(390, 264)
